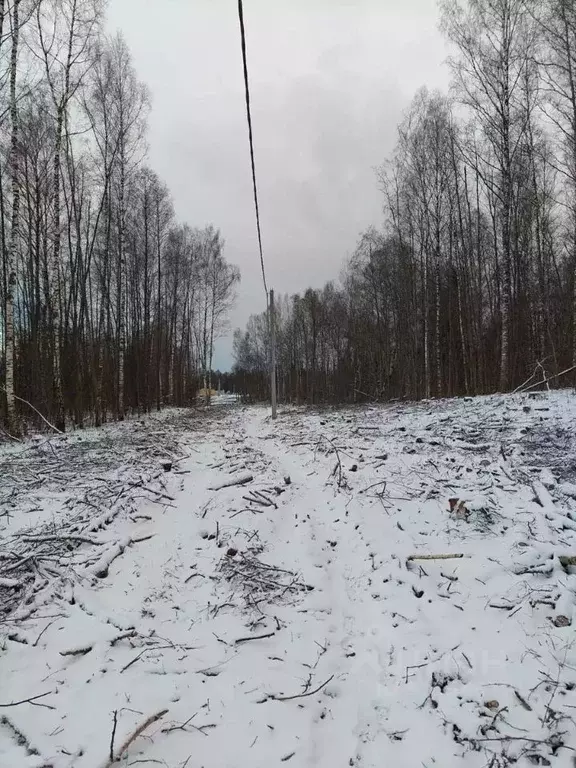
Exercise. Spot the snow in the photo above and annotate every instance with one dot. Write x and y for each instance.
(295, 617)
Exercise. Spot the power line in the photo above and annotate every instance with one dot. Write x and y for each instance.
(249, 116)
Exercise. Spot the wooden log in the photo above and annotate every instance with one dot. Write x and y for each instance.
(239, 479)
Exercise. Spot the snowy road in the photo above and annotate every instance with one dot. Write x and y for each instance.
(289, 619)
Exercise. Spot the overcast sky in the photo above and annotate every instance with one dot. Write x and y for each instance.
(330, 80)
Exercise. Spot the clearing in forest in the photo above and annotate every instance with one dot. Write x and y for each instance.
(366, 586)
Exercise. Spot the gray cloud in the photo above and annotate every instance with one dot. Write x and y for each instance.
(329, 82)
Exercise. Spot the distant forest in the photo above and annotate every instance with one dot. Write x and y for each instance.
(108, 304)
(470, 286)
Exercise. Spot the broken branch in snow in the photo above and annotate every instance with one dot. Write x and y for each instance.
(260, 499)
(101, 566)
(80, 651)
(47, 627)
(32, 700)
(253, 637)
(182, 727)
(113, 736)
(240, 479)
(302, 695)
(135, 659)
(44, 419)
(337, 471)
(374, 485)
(148, 650)
(115, 758)
(545, 381)
(435, 557)
(537, 367)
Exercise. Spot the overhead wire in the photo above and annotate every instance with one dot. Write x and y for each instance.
(251, 138)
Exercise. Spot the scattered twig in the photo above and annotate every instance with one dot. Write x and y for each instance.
(253, 637)
(113, 736)
(32, 700)
(435, 557)
(301, 695)
(522, 701)
(414, 666)
(182, 727)
(35, 643)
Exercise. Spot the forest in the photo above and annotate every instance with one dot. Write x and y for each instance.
(469, 286)
(109, 304)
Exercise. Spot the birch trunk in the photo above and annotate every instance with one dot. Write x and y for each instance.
(121, 300)
(14, 219)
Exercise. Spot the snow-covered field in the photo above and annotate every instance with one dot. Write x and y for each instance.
(392, 587)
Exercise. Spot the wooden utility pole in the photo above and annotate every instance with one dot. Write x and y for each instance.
(272, 354)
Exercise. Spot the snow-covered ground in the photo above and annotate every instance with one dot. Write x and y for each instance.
(392, 587)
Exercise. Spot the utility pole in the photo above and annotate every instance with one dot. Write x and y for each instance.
(272, 354)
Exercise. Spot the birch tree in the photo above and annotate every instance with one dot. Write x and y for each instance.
(14, 222)
(66, 33)
(493, 43)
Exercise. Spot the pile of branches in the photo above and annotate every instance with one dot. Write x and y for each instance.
(258, 581)
(552, 447)
(87, 479)
(35, 564)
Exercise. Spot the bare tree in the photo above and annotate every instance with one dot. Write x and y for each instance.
(493, 44)
(66, 31)
(100, 313)
(14, 221)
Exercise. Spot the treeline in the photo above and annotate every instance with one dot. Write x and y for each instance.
(470, 286)
(108, 303)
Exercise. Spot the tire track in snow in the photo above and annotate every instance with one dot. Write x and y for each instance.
(342, 600)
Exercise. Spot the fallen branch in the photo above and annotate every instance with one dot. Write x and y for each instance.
(240, 479)
(80, 651)
(101, 566)
(545, 381)
(113, 736)
(542, 495)
(188, 722)
(253, 637)
(140, 484)
(302, 695)
(31, 700)
(341, 480)
(435, 557)
(47, 627)
(369, 487)
(44, 419)
(133, 736)
(71, 537)
(255, 500)
(135, 659)
(148, 650)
